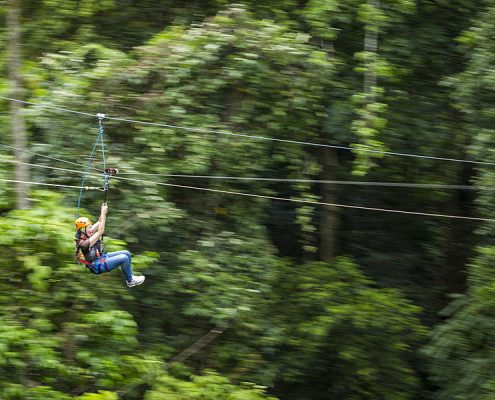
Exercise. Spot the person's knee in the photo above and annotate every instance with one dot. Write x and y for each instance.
(127, 253)
(118, 259)
(125, 260)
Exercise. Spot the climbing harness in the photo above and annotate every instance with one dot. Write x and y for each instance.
(93, 259)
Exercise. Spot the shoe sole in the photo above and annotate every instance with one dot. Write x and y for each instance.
(135, 284)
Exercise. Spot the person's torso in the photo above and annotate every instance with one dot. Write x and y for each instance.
(91, 253)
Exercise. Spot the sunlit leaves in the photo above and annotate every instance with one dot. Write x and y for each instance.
(209, 386)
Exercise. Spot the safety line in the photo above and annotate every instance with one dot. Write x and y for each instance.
(311, 202)
(242, 178)
(48, 167)
(359, 148)
(40, 155)
(40, 183)
(324, 181)
(299, 201)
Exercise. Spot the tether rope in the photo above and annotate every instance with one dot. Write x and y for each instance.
(88, 166)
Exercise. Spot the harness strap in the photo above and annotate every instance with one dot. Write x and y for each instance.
(98, 264)
(80, 259)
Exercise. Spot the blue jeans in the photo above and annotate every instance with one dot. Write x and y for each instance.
(113, 260)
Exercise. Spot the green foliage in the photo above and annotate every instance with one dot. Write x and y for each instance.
(19, 392)
(232, 73)
(461, 351)
(328, 319)
(209, 386)
(334, 22)
(301, 71)
(56, 327)
(222, 278)
(102, 395)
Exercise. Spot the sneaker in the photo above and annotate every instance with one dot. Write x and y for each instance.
(136, 280)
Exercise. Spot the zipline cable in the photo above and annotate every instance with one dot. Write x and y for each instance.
(255, 179)
(302, 201)
(302, 143)
(299, 201)
(47, 106)
(256, 137)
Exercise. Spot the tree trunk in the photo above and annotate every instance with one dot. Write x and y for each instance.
(18, 130)
(330, 218)
(370, 47)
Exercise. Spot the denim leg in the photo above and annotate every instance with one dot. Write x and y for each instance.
(126, 253)
(113, 260)
(114, 253)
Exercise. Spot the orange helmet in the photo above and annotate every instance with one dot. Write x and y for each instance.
(82, 223)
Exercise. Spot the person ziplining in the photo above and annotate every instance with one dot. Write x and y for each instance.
(89, 249)
(88, 239)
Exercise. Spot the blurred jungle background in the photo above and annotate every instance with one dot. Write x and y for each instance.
(221, 109)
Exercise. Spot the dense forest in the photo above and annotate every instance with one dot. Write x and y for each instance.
(306, 185)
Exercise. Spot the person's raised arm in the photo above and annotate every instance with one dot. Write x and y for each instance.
(101, 225)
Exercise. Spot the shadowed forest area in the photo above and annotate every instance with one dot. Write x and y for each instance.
(306, 185)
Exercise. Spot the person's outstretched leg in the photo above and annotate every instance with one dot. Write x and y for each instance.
(116, 253)
(123, 258)
(113, 261)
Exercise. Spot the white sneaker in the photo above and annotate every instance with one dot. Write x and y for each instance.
(136, 280)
